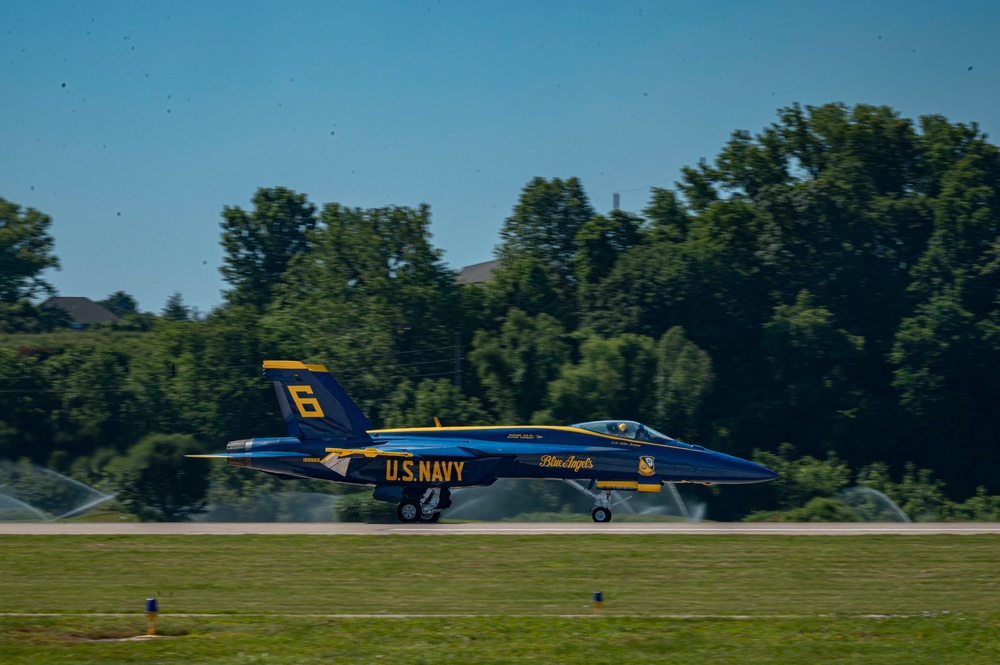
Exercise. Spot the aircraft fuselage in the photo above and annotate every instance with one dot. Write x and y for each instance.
(515, 452)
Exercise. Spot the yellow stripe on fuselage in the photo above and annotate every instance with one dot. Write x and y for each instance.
(550, 428)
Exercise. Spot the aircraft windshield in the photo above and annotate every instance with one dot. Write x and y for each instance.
(627, 429)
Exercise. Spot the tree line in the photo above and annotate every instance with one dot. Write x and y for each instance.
(830, 282)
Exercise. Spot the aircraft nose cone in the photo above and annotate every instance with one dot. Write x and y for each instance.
(762, 473)
(737, 470)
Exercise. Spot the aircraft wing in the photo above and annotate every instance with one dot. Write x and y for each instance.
(429, 448)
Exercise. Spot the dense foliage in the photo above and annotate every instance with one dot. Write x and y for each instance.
(831, 282)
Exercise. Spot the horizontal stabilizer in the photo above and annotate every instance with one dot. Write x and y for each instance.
(261, 454)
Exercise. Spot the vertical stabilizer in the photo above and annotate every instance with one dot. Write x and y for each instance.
(313, 404)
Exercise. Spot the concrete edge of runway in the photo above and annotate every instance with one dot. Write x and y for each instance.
(493, 528)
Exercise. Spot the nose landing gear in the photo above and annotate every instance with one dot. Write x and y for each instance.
(602, 501)
(601, 514)
(602, 506)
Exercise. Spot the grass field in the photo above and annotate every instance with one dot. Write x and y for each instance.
(717, 599)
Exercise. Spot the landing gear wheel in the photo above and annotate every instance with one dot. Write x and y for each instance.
(433, 517)
(408, 511)
(601, 514)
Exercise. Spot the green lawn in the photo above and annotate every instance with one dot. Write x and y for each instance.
(802, 599)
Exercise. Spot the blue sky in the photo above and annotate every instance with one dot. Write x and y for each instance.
(133, 124)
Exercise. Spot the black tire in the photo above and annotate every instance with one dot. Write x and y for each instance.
(433, 517)
(408, 511)
(601, 515)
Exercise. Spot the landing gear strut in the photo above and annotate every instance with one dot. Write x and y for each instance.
(423, 505)
(602, 507)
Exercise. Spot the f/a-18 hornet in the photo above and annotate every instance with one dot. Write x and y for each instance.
(416, 468)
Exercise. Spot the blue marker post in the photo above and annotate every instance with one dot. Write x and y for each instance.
(151, 615)
(598, 600)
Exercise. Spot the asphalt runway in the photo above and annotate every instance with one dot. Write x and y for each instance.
(492, 528)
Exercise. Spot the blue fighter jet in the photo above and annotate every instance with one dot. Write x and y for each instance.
(416, 468)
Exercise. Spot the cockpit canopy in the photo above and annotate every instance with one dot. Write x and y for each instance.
(629, 429)
(626, 429)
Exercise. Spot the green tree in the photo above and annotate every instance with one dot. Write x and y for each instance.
(963, 246)
(385, 257)
(174, 309)
(158, 483)
(121, 303)
(417, 406)
(698, 187)
(527, 283)
(978, 508)
(945, 375)
(726, 285)
(27, 428)
(23, 317)
(683, 378)
(544, 226)
(668, 219)
(802, 478)
(93, 407)
(600, 241)
(258, 245)
(612, 380)
(372, 300)
(815, 367)
(934, 354)
(25, 252)
(516, 365)
(644, 291)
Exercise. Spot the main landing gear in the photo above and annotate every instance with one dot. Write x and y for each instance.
(408, 510)
(424, 507)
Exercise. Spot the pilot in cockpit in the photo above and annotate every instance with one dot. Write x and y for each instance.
(628, 430)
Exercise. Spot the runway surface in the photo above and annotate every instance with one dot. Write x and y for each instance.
(492, 528)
